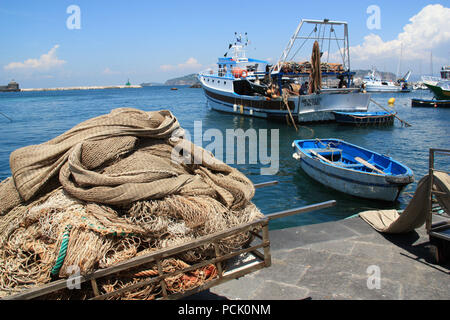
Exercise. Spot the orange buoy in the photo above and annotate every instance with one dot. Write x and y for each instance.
(237, 72)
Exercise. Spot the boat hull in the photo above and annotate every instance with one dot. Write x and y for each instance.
(359, 118)
(309, 108)
(439, 92)
(387, 89)
(374, 87)
(418, 103)
(356, 183)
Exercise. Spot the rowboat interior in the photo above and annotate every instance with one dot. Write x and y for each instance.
(345, 156)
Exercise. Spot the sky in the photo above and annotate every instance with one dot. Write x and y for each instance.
(47, 44)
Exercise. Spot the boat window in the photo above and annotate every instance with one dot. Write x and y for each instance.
(224, 82)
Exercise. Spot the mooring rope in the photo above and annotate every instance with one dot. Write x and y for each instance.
(62, 251)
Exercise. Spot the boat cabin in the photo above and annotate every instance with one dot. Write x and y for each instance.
(445, 73)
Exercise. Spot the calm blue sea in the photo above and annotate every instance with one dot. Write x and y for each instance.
(39, 116)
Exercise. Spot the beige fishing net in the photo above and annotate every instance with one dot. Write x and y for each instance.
(112, 188)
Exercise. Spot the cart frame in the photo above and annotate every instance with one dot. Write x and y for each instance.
(258, 249)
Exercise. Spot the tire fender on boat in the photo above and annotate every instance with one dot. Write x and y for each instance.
(399, 179)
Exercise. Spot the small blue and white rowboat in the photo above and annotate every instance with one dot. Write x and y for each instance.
(351, 169)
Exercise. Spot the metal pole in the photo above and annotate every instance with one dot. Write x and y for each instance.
(305, 209)
(430, 191)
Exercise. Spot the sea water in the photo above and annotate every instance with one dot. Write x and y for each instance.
(34, 117)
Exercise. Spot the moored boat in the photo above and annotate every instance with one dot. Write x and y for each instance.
(430, 103)
(441, 90)
(373, 83)
(301, 91)
(365, 118)
(352, 169)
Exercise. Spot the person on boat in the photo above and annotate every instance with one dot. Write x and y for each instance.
(342, 82)
(363, 88)
(304, 88)
(257, 80)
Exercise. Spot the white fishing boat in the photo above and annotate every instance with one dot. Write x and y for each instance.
(300, 91)
(373, 83)
(433, 81)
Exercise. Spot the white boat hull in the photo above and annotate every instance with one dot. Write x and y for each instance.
(392, 89)
(310, 108)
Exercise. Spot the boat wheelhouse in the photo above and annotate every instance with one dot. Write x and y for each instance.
(302, 91)
(445, 73)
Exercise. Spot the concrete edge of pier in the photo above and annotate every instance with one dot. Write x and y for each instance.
(337, 261)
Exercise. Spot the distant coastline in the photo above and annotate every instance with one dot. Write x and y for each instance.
(83, 88)
(190, 80)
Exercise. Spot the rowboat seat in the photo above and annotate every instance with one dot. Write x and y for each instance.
(352, 165)
(326, 151)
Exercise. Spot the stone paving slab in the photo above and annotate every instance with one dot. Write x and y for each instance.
(331, 261)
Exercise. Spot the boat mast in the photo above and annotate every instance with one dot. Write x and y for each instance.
(344, 50)
(399, 66)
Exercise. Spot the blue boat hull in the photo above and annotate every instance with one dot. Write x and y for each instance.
(351, 177)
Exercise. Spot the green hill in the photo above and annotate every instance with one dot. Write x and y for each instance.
(189, 80)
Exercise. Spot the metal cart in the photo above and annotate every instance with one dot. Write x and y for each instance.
(257, 257)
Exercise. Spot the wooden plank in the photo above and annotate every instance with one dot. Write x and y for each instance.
(368, 165)
(267, 255)
(218, 264)
(318, 155)
(95, 287)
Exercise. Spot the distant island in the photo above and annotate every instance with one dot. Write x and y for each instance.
(188, 80)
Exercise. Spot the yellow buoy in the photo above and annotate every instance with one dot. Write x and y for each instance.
(391, 101)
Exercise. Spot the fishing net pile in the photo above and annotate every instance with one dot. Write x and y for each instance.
(306, 67)
(112, 188)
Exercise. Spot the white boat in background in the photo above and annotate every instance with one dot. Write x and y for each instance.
(251, 87)
(433, 81)
(373, 83)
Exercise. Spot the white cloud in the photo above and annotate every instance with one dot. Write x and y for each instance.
(46, 61)
(108, 71)
(190, 63)
(427, 31)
